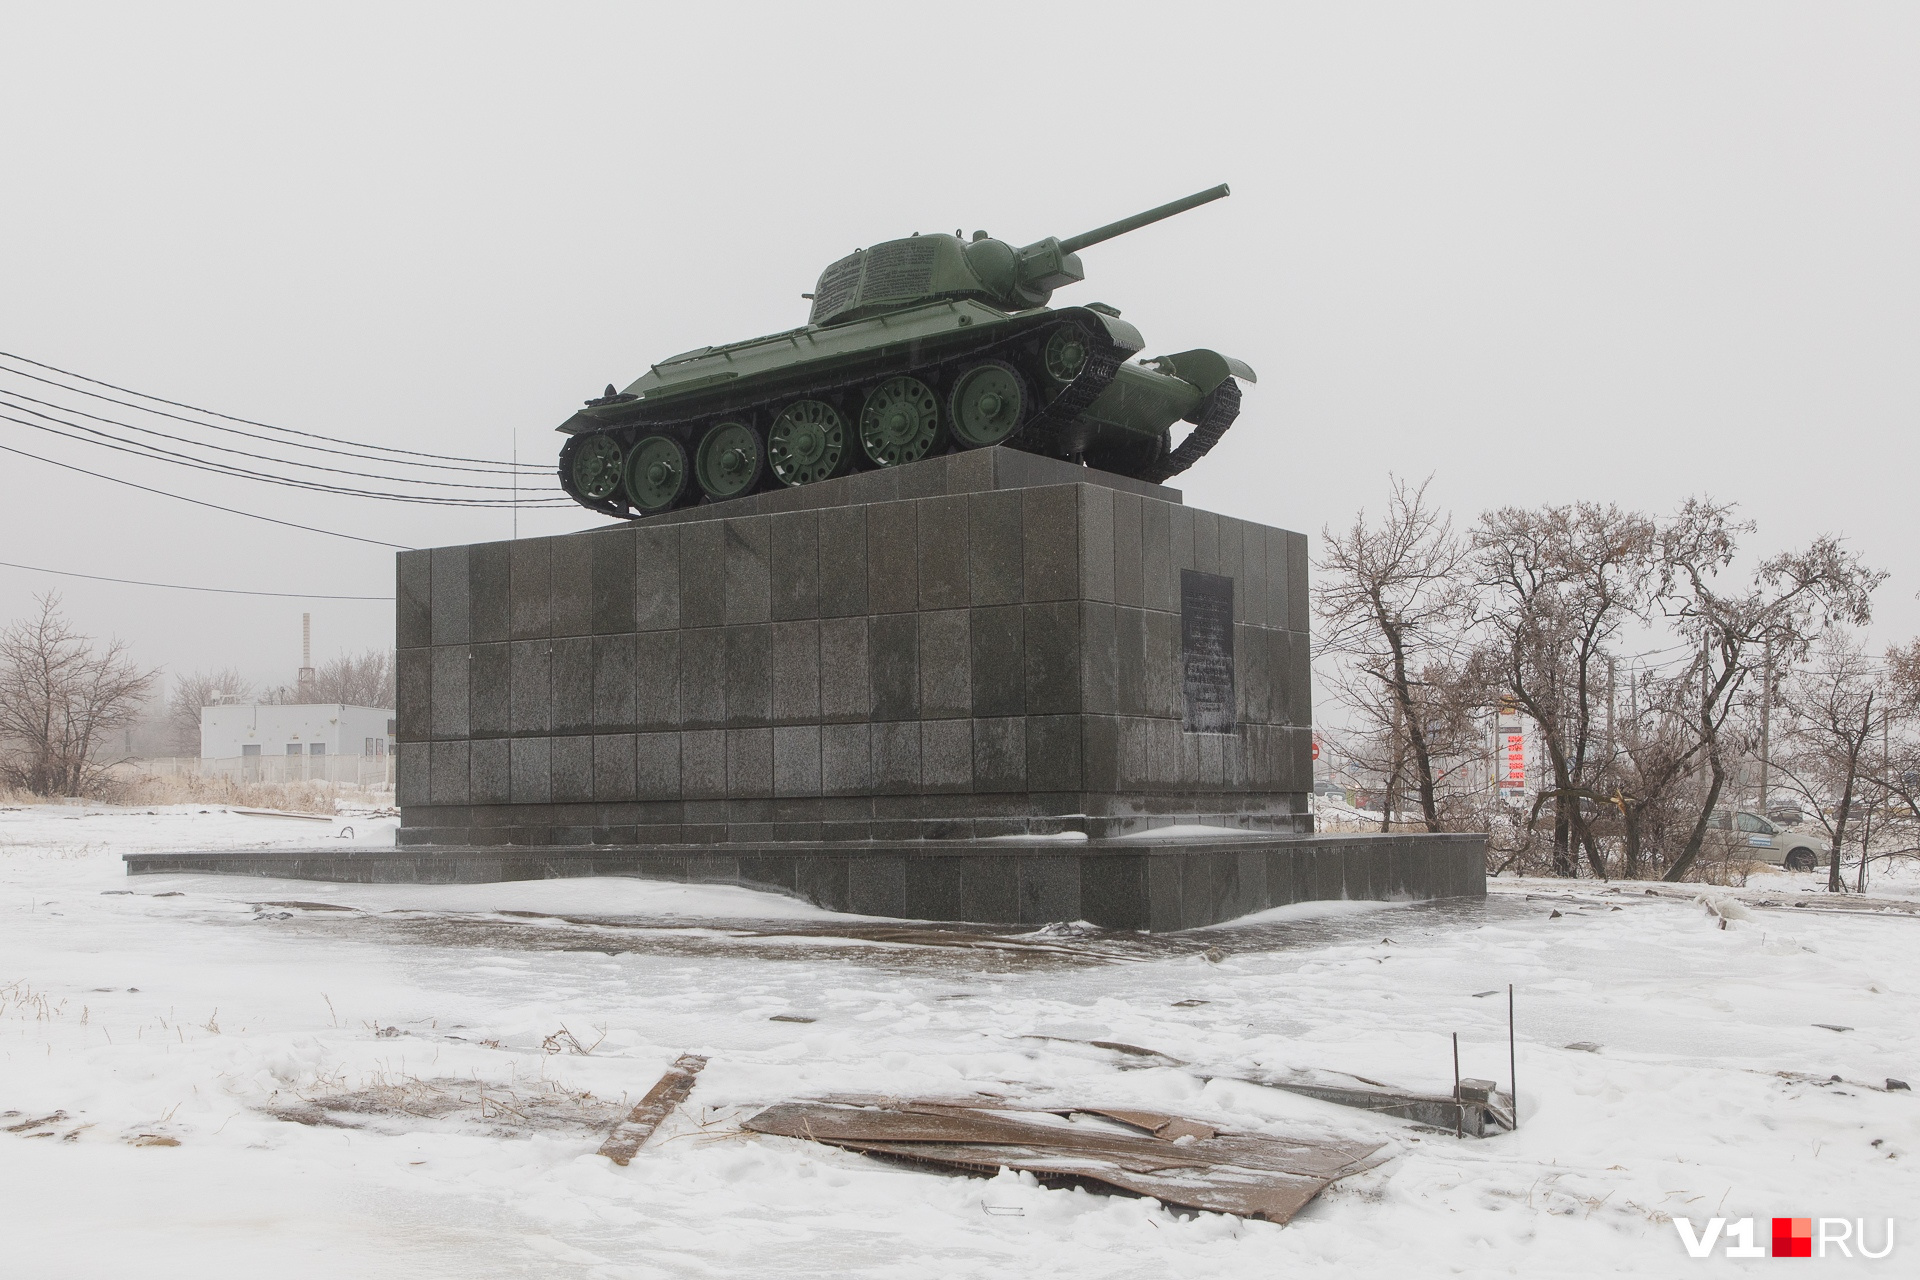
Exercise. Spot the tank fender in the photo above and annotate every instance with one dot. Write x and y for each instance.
(1206, 369)
(1118, 331)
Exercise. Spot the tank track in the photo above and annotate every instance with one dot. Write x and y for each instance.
(1217, 413)
(1049, 430)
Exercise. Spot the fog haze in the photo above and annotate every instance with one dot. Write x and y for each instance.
(1618, 252)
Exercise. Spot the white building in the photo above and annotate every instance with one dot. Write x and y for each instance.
(294, 729)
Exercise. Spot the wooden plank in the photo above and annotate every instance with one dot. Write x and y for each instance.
(667, 1093)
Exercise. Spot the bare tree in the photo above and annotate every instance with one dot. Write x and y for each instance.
(1835, 707)
(1393, 602)
(364, 679)
(61, 700)
(197, 690)
(1790, 600)
(1560, 583)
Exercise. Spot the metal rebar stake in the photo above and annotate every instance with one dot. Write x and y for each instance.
(1459, 1119)
(1513, 1083)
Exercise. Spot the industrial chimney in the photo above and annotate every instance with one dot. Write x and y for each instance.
(305, 682)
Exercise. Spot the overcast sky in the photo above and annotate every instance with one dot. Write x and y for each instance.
(1612, 252)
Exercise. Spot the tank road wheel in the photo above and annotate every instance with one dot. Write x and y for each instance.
(807, 442)
(729, 461)
(596, 466)
(900, 422)
(1065, 354)
(988, 403)
(656, 474)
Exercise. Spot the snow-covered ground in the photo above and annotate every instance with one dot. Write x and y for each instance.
(175, 1021)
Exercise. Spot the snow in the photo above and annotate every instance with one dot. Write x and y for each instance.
(192, 1018)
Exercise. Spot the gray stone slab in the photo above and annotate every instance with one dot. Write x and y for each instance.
(656, 578)
(530, 768)
(573, 684)
(995, 556)
(843, 563)
(1129, 573)
(944, 565)
(749, 675)
(1054, 744)
(1051, 657)
(703, 677)
(1000, 754)
(413, 691)
(487, 692)
(796, 672)
(1233, 561)
(1049, 889)
(573, 585)
(1096, 544)
(893, 556)
(896, 757)
(488, 777)
(946, 755)
(998, 662)
(749, 591)
(656, 680)
(488, 572)
(893, 655)
(703, 595)
(615, 768)
(1050, 542)
(846, 689)
(945, 664)
(796, 760)
(794, 565)
(450, 596)
(703, 764)
(1297, 600)
(749, 763)
(1159, 585)
(614, 680)
(657, 766)
(413, 599)
(613, 569)
(449, 691)
(447, 780)
(573, 769)
(530, 692)
(530, 589)
(846, 759)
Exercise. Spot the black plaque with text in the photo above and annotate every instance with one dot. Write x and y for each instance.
(1206, 650)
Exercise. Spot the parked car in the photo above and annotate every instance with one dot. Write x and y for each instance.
(1759, 839)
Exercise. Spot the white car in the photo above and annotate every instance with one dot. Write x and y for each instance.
(1760, 839)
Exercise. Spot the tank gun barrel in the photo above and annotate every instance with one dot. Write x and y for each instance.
(1073, 244)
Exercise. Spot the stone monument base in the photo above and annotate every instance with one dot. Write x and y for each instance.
(1137, 882)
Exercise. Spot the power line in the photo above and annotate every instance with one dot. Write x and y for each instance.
(175, 586)
(156, 454)
(7, 397)
(252, 515)
(214, 413)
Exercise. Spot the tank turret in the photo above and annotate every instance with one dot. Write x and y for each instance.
(897, 274)
(914, 347)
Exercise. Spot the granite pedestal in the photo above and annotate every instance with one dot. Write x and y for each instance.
(965, 688)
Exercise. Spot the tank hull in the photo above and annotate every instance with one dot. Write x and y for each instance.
(794, 407)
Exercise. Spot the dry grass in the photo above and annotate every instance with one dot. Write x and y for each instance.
(396, 1103)
(131, 787)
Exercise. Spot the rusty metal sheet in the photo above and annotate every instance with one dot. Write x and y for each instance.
(667, 1093)
(1178, 1161)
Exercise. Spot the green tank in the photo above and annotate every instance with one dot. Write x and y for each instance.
(914, 347)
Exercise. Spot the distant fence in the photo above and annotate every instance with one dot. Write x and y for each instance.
(348, 771)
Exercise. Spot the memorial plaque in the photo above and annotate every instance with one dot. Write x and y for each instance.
(1206, 651)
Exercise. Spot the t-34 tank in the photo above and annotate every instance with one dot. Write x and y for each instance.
(914, 347)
